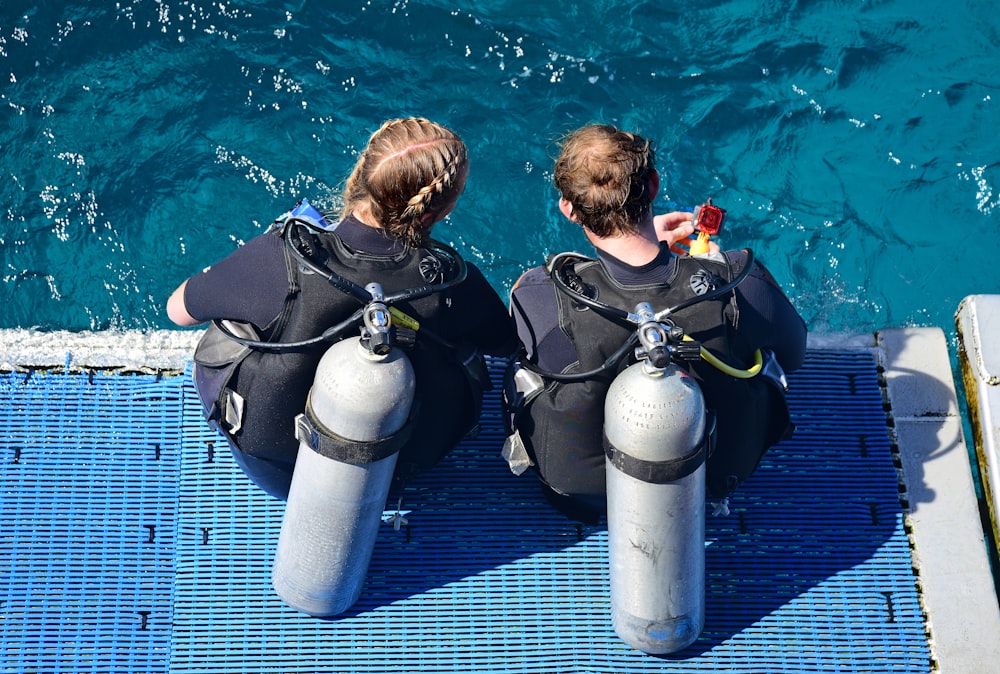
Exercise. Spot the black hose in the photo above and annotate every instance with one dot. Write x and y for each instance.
(327, 335)
(610, 364)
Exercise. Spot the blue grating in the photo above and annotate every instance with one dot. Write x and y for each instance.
(810, 573)
(88, 481)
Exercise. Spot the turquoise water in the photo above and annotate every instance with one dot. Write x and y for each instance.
(854, 144)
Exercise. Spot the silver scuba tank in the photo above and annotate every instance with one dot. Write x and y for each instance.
(655, 441)
(349, 441)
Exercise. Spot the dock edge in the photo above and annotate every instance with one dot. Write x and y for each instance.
(948, 542)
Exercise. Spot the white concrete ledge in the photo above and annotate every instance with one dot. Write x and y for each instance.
(23, 348)
(841, 341)
(948, 541)
(127, 350)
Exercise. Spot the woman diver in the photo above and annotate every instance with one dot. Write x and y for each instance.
(276, 302)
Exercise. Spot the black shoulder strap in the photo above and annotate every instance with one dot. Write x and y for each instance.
(292, 275)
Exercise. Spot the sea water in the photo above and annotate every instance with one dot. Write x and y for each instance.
(853, 142)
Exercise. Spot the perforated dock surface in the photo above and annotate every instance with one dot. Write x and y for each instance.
(130, 542)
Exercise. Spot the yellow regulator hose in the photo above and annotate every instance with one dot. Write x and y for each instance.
(729, 369)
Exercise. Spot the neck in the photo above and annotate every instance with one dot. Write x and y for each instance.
(364, 214)
(632, 249)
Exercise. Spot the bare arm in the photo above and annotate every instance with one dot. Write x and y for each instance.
(176, 309)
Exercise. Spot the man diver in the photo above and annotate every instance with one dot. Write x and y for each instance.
(607, 182)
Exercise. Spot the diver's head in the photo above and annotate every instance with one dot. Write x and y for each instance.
(408, 177)
(606, 179)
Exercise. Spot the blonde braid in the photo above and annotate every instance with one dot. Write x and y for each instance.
(355, 188)
(407, 172)
(423, 202)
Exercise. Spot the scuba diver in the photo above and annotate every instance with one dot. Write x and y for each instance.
(277, 303)
(734, 328)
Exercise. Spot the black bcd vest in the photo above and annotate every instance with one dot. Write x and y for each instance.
(274, 385)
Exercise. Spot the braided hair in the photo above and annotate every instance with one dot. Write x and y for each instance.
(605, 174)
(410, 173)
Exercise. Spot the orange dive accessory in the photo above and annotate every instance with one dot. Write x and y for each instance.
(708, 221)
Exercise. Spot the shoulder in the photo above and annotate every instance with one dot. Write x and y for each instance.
(738, 256)
(265, 244)
(255, 271)
(738, 259)
(254, 256)
(533, 277)
(258, 248)
(475, 285)
(533, 296)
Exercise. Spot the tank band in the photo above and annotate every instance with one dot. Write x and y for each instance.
(325, 442)
(662, 472)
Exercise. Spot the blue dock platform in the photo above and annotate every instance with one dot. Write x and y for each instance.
(130, 542)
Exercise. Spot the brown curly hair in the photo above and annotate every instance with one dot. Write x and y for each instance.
(605, 174)
(408, 173)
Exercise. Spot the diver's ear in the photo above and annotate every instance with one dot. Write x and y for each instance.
(566, 208)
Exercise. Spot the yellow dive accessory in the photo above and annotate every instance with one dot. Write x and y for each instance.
(700, 245)
(751, 371)
(403, 319)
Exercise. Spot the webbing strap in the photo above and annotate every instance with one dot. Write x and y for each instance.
(662, 472)
(327, 443)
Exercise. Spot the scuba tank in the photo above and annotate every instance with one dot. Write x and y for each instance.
(656, 434)
(350, 435)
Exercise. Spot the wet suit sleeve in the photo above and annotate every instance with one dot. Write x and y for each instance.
(495, 333)
(248, 285)
(768, 317)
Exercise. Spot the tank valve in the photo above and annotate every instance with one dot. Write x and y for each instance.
(377, 333)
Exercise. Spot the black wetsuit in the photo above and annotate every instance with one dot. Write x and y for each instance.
(260, 285)
(562, 427)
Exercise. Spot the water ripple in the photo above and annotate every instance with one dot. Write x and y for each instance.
(144, 140)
